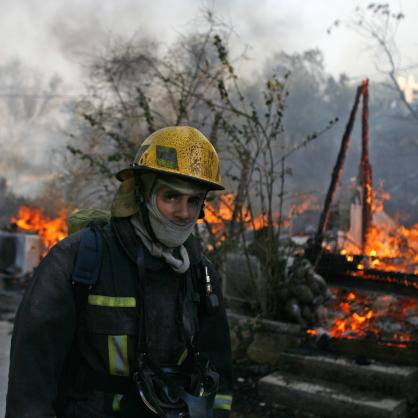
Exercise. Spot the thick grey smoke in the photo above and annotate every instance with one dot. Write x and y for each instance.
(32, 118)
(49, 37)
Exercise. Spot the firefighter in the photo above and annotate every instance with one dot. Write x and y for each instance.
(125, 318)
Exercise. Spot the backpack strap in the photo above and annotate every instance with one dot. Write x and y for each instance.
(87, 265)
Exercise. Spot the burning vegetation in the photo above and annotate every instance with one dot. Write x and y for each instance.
(219, 214)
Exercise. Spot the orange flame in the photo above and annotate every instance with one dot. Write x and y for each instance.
(219, 213)
(354, 315)
(51, 230)
(390, 246)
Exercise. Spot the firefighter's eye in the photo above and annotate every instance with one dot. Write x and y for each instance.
(171, 195)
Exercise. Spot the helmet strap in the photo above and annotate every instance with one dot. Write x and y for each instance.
(202, 209)
(202, 212)
(140, 197)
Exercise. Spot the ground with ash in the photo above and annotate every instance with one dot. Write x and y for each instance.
(247, 402)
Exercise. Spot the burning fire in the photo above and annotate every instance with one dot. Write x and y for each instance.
(389, 319)
(51, 230)
(390, 246)
(351, 323)
(389, 240)
(219, 214)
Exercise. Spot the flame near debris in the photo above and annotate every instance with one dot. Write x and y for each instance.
(219, 214)
(390, 246)
(389, 240)
(392, 320)
(389, 319)
(51, 230)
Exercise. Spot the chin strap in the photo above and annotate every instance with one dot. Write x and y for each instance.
(139, 194)
(202, 209)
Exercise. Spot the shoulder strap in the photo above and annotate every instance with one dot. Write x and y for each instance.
(87, 266)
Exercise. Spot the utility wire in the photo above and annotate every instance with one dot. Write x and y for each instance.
(37, 96)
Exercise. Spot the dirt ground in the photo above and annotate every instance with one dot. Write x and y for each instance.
(248, 404)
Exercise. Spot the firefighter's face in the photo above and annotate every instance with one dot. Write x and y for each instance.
(178, 207)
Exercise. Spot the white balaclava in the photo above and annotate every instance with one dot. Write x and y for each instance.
(167, 232)
(170, 234)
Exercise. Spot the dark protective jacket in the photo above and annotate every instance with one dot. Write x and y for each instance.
(59, 351)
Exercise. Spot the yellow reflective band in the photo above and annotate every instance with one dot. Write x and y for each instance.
(116, 402)
(182, 357)
(223, 402)
(112, 302)
(118, 355)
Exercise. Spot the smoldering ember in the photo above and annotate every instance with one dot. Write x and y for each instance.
(321, 288)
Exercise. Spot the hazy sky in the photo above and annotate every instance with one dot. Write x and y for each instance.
(53, 36)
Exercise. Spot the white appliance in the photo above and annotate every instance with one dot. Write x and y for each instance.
(19, 253)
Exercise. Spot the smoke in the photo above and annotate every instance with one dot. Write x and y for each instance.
(59, 36)
(32, 120)
(49, 38)
(315, 97)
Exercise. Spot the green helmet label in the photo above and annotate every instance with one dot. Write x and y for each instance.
(167, 157)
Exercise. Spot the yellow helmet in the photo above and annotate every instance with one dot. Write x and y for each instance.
(179, 151)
